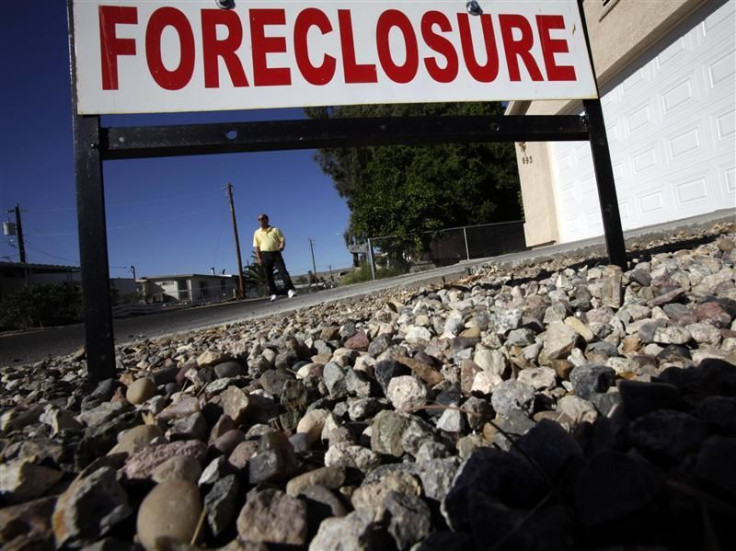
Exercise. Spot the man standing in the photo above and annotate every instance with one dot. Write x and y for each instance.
(268, 243)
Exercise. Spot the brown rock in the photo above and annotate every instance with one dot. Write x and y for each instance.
(425, 371)
(140, 390)
(169, 514)
(359, 341)
(142, 464)
(271, 516)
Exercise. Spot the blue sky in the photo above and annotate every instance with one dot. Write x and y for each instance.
(164, 216)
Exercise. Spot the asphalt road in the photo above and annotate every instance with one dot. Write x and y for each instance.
(32, 346)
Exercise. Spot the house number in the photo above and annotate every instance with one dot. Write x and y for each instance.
(527, 160)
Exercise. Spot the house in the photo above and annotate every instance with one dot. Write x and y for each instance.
(188, 288)
(666, 74)
(15, 275)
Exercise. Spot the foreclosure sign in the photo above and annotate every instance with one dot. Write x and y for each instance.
(144, 56)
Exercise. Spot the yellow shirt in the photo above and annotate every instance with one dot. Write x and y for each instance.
(268, 240)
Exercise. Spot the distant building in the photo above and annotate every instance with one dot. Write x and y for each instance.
(188, 288)
(15, 275)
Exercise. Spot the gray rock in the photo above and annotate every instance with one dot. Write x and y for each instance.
(668, 435)
(588, 380)
(220, 503)
(714, 463)
(511, 395)
(611, 486)
(437, 476)
(235, 403)
(353, 532)
(274, 460)
(409, 518)
(503, 476)
(334, 377)
(550, 447)
(406, 392)
(346, 455)
(89, 509)
(230, 369)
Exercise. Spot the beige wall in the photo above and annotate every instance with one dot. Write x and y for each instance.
(619, 34)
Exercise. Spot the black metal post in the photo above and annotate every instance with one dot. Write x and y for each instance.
(96, 305)
(612, 229)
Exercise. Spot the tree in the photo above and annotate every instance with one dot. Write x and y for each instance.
(407, 189)
(255, 276)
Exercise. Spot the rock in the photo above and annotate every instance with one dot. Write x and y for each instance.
(405, 393)
(229, 369)
(135, 439)
(235, 404)
(611, 486)
(409, 518)
(540, 378)
(183, 406)
(274, 459)
(328, 477)
(346, 455)
(511, 395)
(271, 516)
(506, 477)
(550, 446)
(184, 467)
(425, 372)
(220, 503)
(668, 435)
(89, 509)
(169, 514)
(29, 522)
(640, 398)
(371, 495)
(559, 340)
(588, 380)
(140, 390)
(353, 531)
(142, 464)
(22, 480)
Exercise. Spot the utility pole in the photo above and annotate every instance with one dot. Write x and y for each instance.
(132, 269)
(314, 266)
(19, 233)
(241, 286)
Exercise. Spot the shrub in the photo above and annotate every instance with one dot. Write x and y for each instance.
(41, 305)
(363, 273)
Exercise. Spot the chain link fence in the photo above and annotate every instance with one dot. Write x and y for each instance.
(397, 254)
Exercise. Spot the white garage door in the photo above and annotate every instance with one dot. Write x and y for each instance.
(671, 126)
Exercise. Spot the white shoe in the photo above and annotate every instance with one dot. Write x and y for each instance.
(273, 297)
(292, 293)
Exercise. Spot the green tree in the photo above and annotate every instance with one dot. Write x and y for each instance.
(254, 276)
(407, 189)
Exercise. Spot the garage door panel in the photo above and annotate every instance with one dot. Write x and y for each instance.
(728, 182)
(721, 71)
(671, 123)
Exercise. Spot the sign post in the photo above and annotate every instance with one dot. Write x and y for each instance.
(151, 56)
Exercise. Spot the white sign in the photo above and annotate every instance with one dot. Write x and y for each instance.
(146, 56)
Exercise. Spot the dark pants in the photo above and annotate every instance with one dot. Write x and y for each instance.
(273, 260)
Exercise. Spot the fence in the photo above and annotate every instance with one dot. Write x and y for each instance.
(433, 249)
